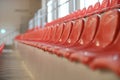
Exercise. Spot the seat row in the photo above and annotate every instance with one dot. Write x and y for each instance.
(92, 38)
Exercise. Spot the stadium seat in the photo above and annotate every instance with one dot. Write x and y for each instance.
(115, 4)
(105, 5)
(75, 34)
(107, 31)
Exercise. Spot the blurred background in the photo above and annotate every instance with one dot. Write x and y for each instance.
(18, 16)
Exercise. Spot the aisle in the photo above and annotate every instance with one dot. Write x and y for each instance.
(12, 67)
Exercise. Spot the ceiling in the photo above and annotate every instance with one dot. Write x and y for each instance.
(15, 14)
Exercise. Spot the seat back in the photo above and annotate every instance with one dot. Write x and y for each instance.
(76, 32)
(104, 5)
(115, 3)
(35, 36)
(59, 32)
(48, 34)
(97, 7)
(45, 31)
(41, 34)
(90, 28)
(108, 29)
(82, 13)
(66, 32)
(54, 33)
(90, 10)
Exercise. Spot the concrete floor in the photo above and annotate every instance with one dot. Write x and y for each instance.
(29, 63)
(45, 66)
(12, 67)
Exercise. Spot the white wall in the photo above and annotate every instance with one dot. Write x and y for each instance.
(14, 14)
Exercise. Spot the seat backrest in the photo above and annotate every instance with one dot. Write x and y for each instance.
(59, 32)
(27, 36)
(35, 36)
(89, 10)
(48, 34)
(108, 28)
(78, 12)
(66, 32)
(41, 34)
(90, 28)
(82, 13)
(76, 32)
(105, 4)
(45, 30)
(115, 3)
(54, 33)
(96, 7)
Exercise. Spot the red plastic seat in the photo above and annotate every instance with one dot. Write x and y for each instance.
(48, 44)
(90, 28)
(105, 5)
(42, 34)
(44, 44)
(66, 32)
(96, 8)
(64, 37)
(75, 33)
(77, 13)
(43, 37)
(77, 28)
(48, 37)
(115, 4)
(108, 29)
(46, 30)
(35, 36)
(89, 31)
(82, 13)
(90, 10)
(111, 62)
(109, 40)
(54, 33)
(55, 40)
(109, 55)
(104, 37)
(59, 32)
